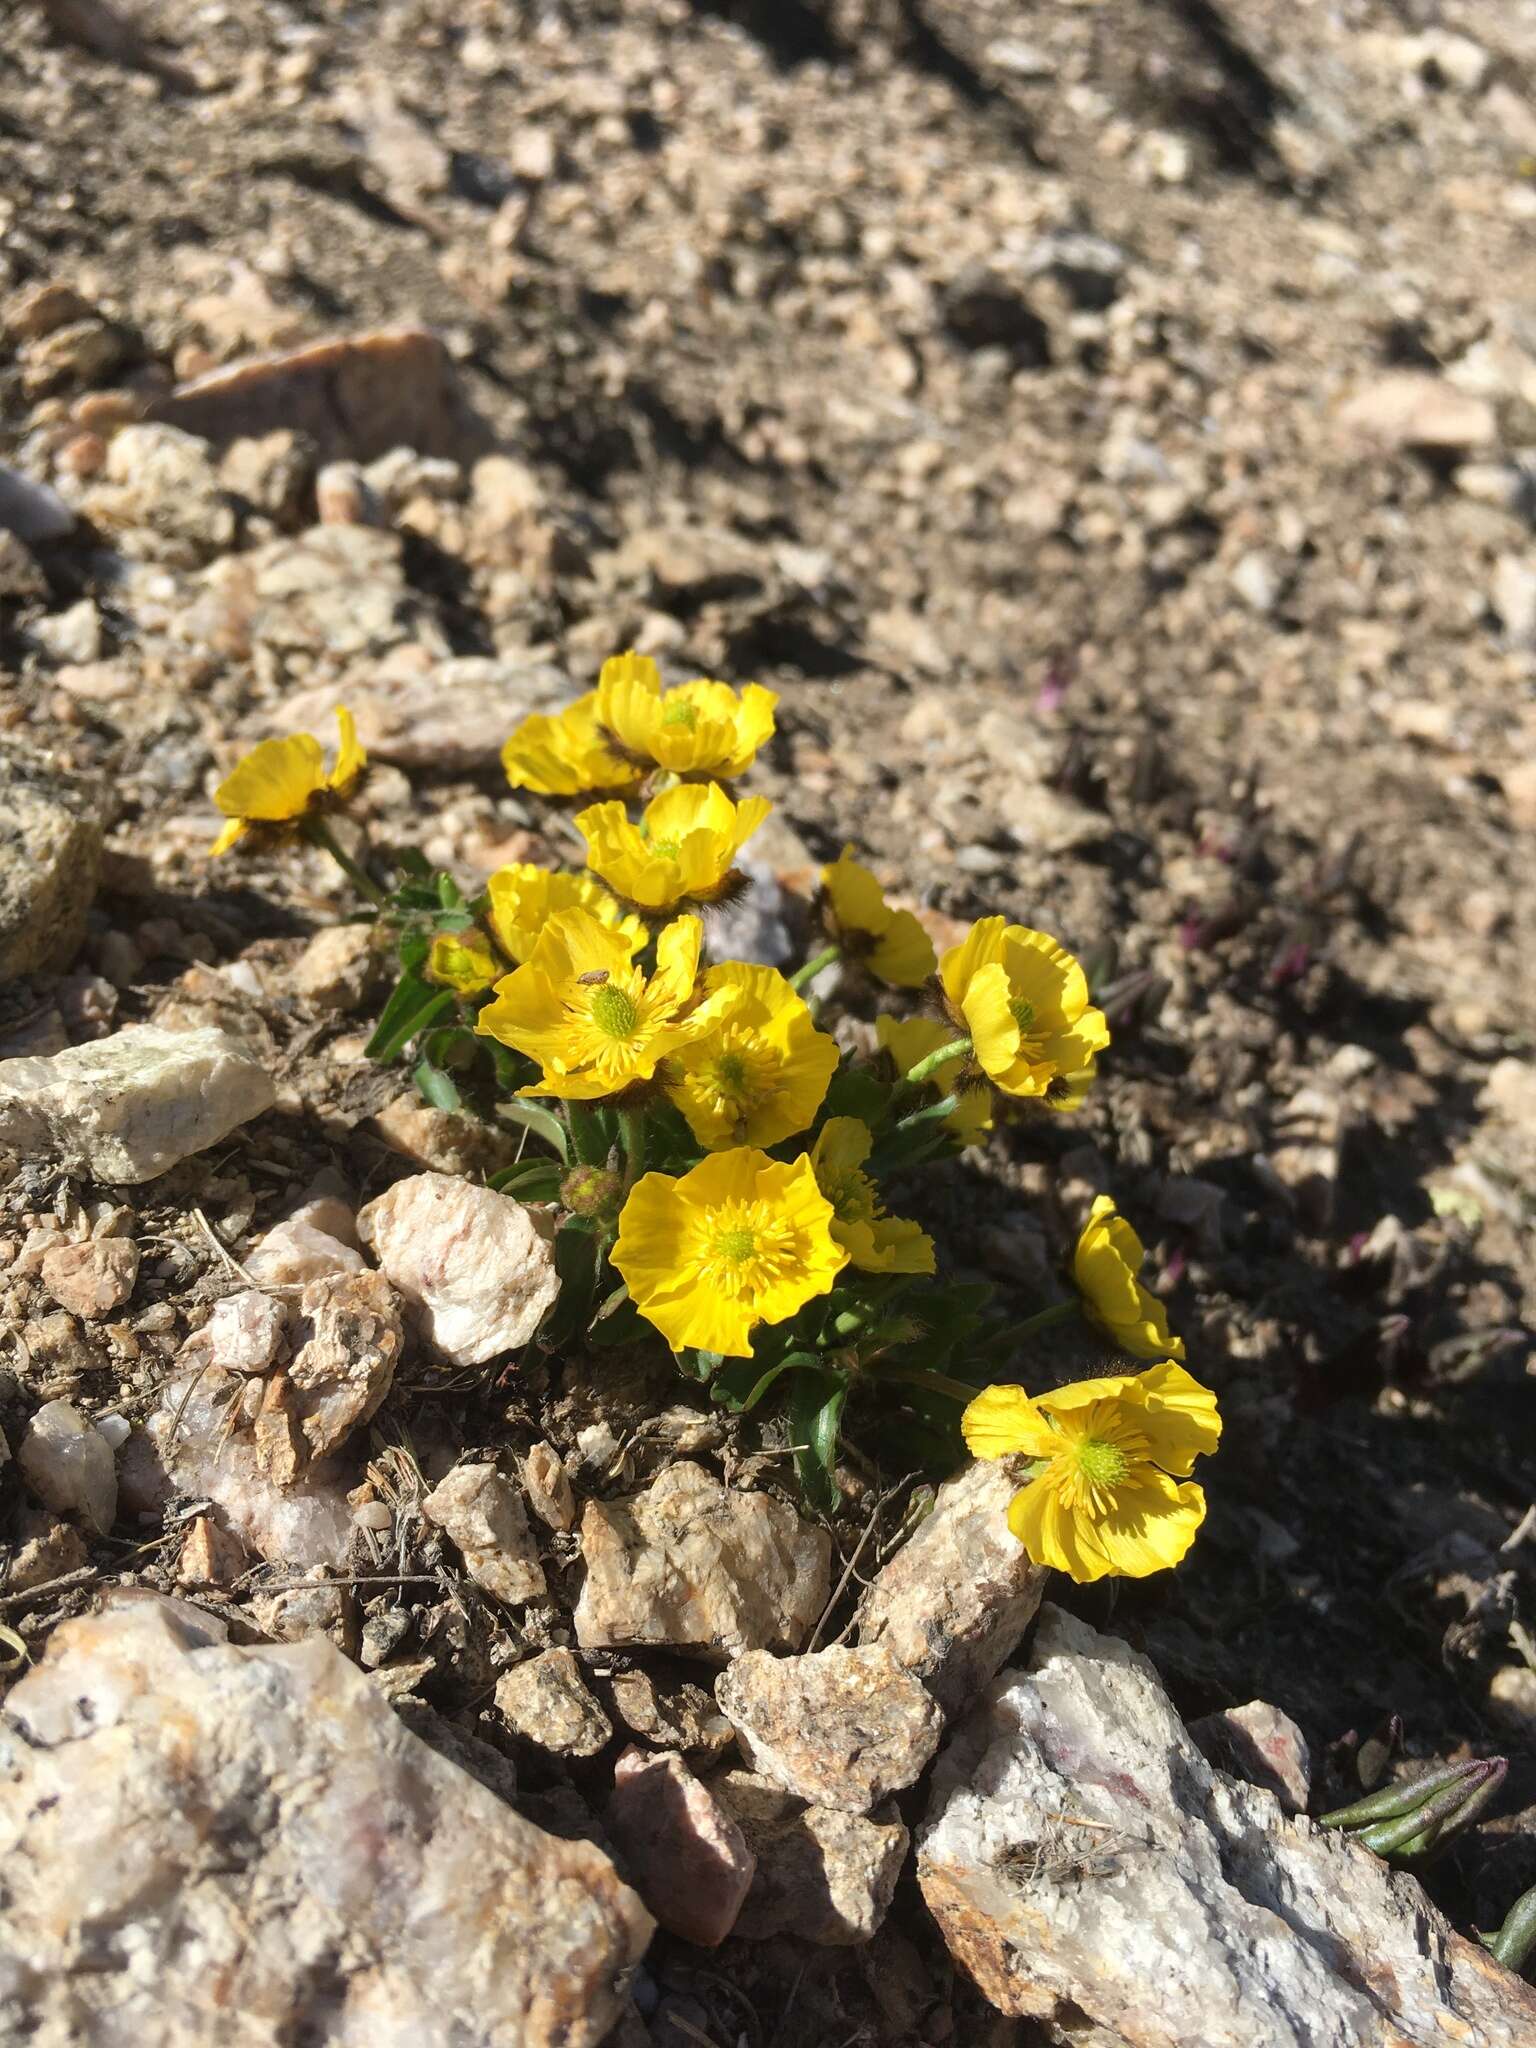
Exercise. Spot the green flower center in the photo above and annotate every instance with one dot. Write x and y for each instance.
(734, 1246)
(614, 1011)
(684, 714)
(667, 848)
(731, 1073)
(1101, 1463)
(1022, 1012)
(850, 1192)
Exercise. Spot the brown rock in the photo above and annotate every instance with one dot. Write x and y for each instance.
(483, 1514)
(43, 1549)
(93, 1278)
(348, 1341)
(1411, 409)
(210, 1556)
(841, 1727)
(822, 1875)
(548, 1487)
(676, 1716)
(357, 396)
(684, 1854)
(545, 1702)
(693, 1565)
(952, 1605)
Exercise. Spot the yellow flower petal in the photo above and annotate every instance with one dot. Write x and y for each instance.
(565, 755)
(682, 850)
(699, 728)
(1181, 1422)
(1105, 1266)
(1003, 1422)
(1151, 1525)
(1052, 1535)
(875, 1242)
(890, 943)
(463, 962)
(1025, 1001)
(754, 1071)
(235, 829)
(524, 897)
(275, 781)
(350, 757)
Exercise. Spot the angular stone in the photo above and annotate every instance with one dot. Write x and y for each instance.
(546, 1702)
(483, 1514)
(548, 1487)
(822, 1875)
(194, 1439)
(50, 854)
(338, 967)
(952, 1605)
(210, 1556)
(1411, 409)
(296, 1251)
(355, 396)
(67, 1464)
(93, 1278)
(1261, 1744)
(261, 1815)
(841, 1727)
(694, 1565)
(1080, 1855)
(43, 1549)
(457, 716)
(444, 1140)
(677, 1716)
(685, 1855)
(347, 1341)
(131, 1106)
(245, 1333)
(479, 1266)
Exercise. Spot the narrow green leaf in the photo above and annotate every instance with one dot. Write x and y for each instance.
(535, 1180)
(412, 1007)
(815, 1411)
(435, 1086)
(543, 1122)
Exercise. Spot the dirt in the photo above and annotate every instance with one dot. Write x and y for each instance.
(975, 377)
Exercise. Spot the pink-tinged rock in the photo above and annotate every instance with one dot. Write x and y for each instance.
(93, 1278)
(685, 1855)
(841, 1727)
(479, 1266)
(952, 1605)
(1261, 1744)
(296, 1251)
(250, 1845)
(356, 397)
(244, 1333)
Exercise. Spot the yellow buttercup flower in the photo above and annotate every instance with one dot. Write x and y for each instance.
(759, 1071)
(565, 754)
(280, 781)
(1103, 1502)
(524, 898)
(738, 1240)
(683, 850)
(874, 1242)
(462, 961)
(1024, 1001)
(910, 1039)
(585, 1012)
(890, 943)
(699, 728)
(1105, 1266)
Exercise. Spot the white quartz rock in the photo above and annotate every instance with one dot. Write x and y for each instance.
(480, 1267)
(130, 1106)
(68, 1465)
(246, 1845)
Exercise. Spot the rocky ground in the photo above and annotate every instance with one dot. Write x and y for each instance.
(1113, 432)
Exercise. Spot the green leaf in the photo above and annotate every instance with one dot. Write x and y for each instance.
(542, 1122)
(625, 1325)
(413, 948)
(413, 1006)
(815, 1411)
(435, 1086)
(535, 1180)
(449, 894)
(590, 1140)
(576, 1261)
(855, 1091)
(740, 1386)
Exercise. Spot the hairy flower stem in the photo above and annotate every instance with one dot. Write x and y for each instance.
(632, 1137)
(931, 1062)
(1515, 1940)
(814, 966)
(319, 833)
(587, 1140)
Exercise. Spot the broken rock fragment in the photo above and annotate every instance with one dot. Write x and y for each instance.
(822, 1875)
(478, 1265)
(348, 1340)
(685, 1855)
(546, 1702)
(130, 1106)
(68, 1465)
(483, 1514)
(1081, 1856)
(952, 1605)
(693, 1565)
(841, 1727)
(376, 1891)
(1261, 1744)
(50, 853)
(93, 1278)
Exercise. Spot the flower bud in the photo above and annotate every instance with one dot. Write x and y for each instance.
(592, 1191)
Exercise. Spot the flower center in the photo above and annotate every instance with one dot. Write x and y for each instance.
(850, 1192)
(685, 714)
(743, 1248)
(614, 1011)
(734, 1245)
(1022, 1012)
(1101, 1463)
(667, 848)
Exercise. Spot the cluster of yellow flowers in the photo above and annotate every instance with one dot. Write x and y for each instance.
(599, 983)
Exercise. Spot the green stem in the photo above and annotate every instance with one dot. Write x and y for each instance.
(814, 966)
(632, 1137)
(938, 1382)
(931, 1063)
(587, 1140)
(1045, 1319)
(1513, 1943)
(318, 833)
